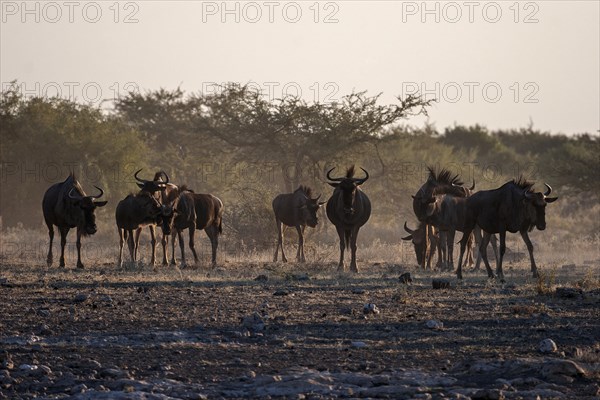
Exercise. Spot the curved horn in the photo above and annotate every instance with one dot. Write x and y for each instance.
(136, 176)
(166, 177)
(526, 193)
(98, 195)
(71, 195)
(333, 179)
(407, 229)
(473, 186)
(318, 197)
(548, 191)
(363, 180)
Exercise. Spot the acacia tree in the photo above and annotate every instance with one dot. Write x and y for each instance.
(292, 132)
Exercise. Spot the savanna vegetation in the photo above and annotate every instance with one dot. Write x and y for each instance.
(245, 149)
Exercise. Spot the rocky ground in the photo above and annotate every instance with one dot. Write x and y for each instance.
(274, 331)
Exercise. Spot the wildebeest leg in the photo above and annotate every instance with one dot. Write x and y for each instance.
(131, 243)
(469, 261)
(529, 245)
(138, 232)
(153, 244)
(483, 252)
(51, 234)
(164, 241)
(182, 247)
(444, 249)
(502, 250)
(342, 235)
(63, 242)
(353, 237)
(478, 238)
(280, 231)
(121, 243)
(463, 245)
(450, 241)
(213, 234)
(173, 240)
(494, 241)
(300, 253)
(78, 244)
(191, 244)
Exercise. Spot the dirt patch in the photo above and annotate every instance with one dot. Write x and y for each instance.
(298, 331)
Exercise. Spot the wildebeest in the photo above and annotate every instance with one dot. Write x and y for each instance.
(296, 209)
(513, 207)
(167, 194)
(348, 209)
(197, 211)
(425, 240)
(438, 183)
(133, 213)
(66, 205)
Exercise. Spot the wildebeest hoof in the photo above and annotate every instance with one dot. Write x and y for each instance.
(80, 266)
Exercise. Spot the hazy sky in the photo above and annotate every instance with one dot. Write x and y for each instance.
(500, 64)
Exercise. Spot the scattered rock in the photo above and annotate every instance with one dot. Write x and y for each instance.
(358, 291)
(358, 345)
(254, 322)
(80, 298)
(562, 367)
(440, 284)
(433, 324)
(281, 292)
(568, 293)
(547, 346)
(300, 277)
(43, 312)
(262, 278)
(405, 278)
(488, 394)
(370, 308)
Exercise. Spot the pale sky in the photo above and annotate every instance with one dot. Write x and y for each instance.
(500, 64)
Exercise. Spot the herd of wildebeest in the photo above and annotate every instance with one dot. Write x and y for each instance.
(443, 205)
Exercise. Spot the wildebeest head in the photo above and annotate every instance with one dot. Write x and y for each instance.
(348, 185)
(419, 240)
(155, 185)
(307, 206)
(535, 203)
(87, 205)
(442, 182)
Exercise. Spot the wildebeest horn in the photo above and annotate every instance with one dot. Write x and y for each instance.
(333, 179)
(407, 229)
(99, 195)
(526, 193)
(473, 186)
(363, 180)
(548, 191)
(318, 197)
(166, 177)
(136, 176)
(71, 195)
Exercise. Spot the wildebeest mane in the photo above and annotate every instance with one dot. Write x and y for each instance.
(184, 188)
(306, 189)
(523, 183)
(444, 176)
(350, 172)
(158, 176)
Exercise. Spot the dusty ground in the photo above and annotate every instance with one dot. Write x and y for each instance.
(299, 332)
